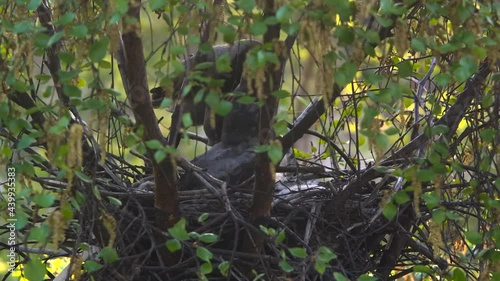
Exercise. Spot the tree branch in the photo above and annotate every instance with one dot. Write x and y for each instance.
(264, 169)
(166, 197)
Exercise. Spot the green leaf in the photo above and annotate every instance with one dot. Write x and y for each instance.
(275, 153)
(224, 268)
(72, 91)
(423, 269)
(298, 252)
(154, 144)
(487, 100)
(44, 200)
(372, 78)
(33, 4)
(204, 254)
(114, 201)
(431, 199)
(425, 175)
(449, 47)
(284, 14)
(208, 238)
(179, 230)
(224, 108)
(417, 45)
(382, 140)
(212, 100)
(474, 237)
(206, 268)
(286, 266)
(368, 116)
(281, 236)
(108, 254)
(23, 27)
(246, 5)
(390, 211)
(281, 94)
(271, 20)
(228, 33)
(160, 155)
(452, 215)
(83, 177)
(68, 76)
(65, 19)
(291, 28)
(194, 235)
(203, 217)
(79, 31)
(54, 38)
(223, 63)
(320, 267)
(442, 79)
(392, 131)
(66, 57)
(165, 103)
(258, 28)
(99, 49)
(246, 99)
(186, 120)
(236, 20)
(268, 231)
(438, 215)
(280, 127)
(467, 67)
(401, 197)
(91, 266)
(173, 245)
(339, 276)
(366, 277)
(120, 8)
(439, 129)
(158, 4)
(22, 219)
(459, 275)
(345, 74)
(325, 255)
(405, 69)
(40, 234)
(34, 269)
(345, 34)
(25, 142)
(262, 148)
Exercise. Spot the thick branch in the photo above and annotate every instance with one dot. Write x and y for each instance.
(264, 168)
(166, 197)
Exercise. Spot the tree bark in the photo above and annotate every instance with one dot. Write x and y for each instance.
(166, 197)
